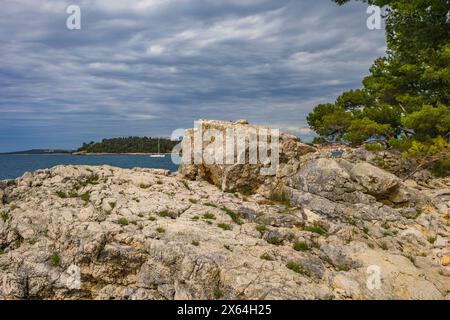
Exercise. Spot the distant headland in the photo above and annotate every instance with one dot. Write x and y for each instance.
(39, 151)
(125, 145)
(129, 145)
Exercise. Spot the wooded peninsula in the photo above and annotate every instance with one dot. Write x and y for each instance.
(129, 145)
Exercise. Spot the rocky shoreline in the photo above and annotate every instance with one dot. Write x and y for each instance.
(321, 228)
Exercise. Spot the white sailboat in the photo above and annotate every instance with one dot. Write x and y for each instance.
(158, 155)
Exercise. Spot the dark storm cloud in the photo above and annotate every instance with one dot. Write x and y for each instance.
(150, 66)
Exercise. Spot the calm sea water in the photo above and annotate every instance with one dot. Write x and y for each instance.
(13, 166)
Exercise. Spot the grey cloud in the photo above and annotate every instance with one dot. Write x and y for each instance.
(151, 66)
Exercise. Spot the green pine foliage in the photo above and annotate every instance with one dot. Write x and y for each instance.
(129, 145)
(404, 101)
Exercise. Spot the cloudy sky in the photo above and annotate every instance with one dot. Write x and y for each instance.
(147, 67)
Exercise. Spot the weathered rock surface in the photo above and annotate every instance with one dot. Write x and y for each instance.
(148, 234)
(237, 176)
(316, 230)
(376, 181)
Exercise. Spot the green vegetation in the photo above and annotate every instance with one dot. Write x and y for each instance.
(267, 257)
(195, 243)
(246, 190)
(261, 228)
(195, 218)
(61, 194)
(217, 293)
(432, 240)
(4, 216)
(373, 147)
(186, 185)
(291, 265)
(164, 213)
(209, 204)
(418, 213)
(112, 205)
(160, 230)
(193, 201)
(284, 158)
(404, 102)
(209, 216)
(233, 215)
(275, 240)
(92, 179)
(224, 226)
(123, 221)
(55, 259)
(85, 197)
(72, 194)
(387, 233)
(129, 145)
(315, 228)
(300, 246)
(19, 241)
(411, 258)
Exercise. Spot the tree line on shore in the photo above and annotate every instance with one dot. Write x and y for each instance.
(129, 145)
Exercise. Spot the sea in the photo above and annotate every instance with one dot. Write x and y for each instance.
(14, 166)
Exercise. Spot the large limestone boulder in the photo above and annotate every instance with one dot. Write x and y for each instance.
(329, 179)
(248, 176)
(375, 181)
(323, 175)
